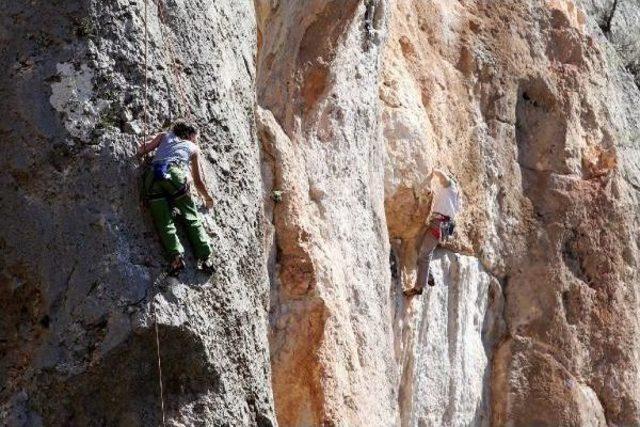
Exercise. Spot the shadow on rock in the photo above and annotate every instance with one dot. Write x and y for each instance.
(124, 388)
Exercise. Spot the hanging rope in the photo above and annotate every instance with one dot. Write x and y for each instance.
(170, 52)
(160, 278)
(183, 100)
(155, 322)
(168, 44)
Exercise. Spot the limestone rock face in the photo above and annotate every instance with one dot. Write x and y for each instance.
(445, 345)
(517, 101)
(321, 122)
(619, 21)
(331, 335)
(534, 317)
(79, 257)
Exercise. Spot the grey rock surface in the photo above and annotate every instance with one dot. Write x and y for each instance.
(619, 21)
(78, 256)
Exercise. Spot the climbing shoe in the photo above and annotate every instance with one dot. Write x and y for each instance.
(205, 265)
(412, 292)
(176, 266)
(431, 281)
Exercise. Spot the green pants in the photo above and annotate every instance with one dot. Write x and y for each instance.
(164, 196)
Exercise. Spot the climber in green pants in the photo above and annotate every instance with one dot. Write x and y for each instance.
(166, 187)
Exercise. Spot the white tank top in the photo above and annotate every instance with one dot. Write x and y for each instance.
(446, 200)
(174, 149)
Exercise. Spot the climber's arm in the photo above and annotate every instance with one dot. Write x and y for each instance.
(150, 145)
(198, 181)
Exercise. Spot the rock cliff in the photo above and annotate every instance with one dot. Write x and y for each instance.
(79, 256)
(529, 105)
(517, 101)
(331, 340)
(321, 121)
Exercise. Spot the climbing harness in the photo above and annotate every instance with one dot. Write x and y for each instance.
(442, 227)
(160, 172)
(170, 197)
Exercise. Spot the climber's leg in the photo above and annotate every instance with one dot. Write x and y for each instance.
(161, 213)
(154, 193)
(193, 225)
(191, 217)
(428, 245)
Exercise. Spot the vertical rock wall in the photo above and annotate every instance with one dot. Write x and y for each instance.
(619, 21)
(536, 297)
(331, 337)
(79, 257)
(529, 104)
(517, 101)
(444, 344)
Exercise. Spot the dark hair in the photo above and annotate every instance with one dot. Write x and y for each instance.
(183, 129)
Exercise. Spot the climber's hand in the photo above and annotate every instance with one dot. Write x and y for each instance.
(443, 177)
(440, 173)
(208, 202)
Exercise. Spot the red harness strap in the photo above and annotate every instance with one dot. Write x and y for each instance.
(436, 230)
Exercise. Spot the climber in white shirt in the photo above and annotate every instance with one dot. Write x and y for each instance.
(444, 207)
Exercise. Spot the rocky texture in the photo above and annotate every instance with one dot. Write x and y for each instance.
(534, 319)
(619, 21)
(78, 257)
(528, 119)
(331, 336)
(511, 99)
(517, 101)
(446, 344)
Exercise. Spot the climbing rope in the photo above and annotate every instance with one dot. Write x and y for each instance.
(167, 43)
(144, 146)
(183, 101)
(155, 322)
(184, 104)
(156, 284)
